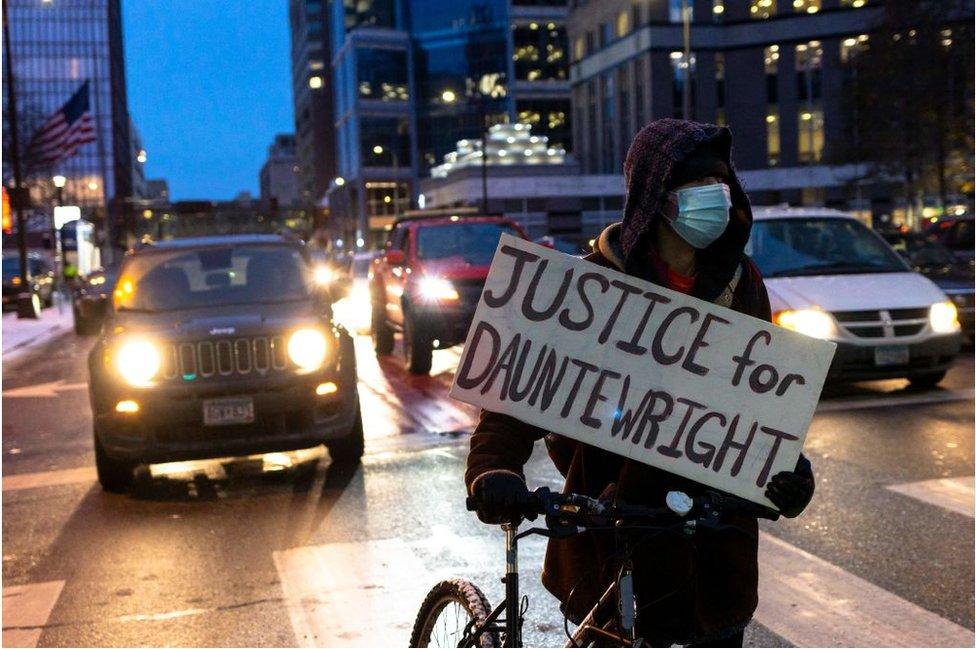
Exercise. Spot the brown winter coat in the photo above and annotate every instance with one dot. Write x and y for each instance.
(696, 588)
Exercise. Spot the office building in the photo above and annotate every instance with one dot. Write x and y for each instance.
(312, 90)
(413, 77)
(775, 71)
(55, 48)
(279, 178)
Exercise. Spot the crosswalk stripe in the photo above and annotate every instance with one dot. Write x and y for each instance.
(812, 603)
(367, 593)
(954, 494)
(26, 610)
(48, 478)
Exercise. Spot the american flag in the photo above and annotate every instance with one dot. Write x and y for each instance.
(64, 131)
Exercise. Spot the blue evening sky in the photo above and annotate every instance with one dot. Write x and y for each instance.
(209, 85)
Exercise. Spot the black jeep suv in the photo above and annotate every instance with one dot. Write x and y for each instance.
(220, 346)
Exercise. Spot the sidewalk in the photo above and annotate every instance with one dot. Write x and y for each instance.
(20, 336)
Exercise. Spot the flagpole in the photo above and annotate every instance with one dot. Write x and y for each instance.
(25, 308)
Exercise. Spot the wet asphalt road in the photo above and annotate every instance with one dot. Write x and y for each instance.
(285, 551)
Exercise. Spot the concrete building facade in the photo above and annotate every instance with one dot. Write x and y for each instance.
(279, 177)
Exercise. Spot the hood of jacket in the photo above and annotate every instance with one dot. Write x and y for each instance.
(655, 152)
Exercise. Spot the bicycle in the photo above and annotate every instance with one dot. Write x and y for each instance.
(456, 612)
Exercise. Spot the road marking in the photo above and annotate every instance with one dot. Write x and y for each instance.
(940, 396)
(812, 603)
(26, 610)
(954, 494)
(361, 594)
(13, 482)
(43, 390)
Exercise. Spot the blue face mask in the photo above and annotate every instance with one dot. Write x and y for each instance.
(702, 213)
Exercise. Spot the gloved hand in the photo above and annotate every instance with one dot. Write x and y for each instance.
(791, 491)
(501, 497)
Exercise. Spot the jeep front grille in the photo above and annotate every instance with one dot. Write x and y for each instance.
(224, 357)
(883, 323)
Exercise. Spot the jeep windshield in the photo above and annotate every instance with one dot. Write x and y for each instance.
(211, 277)
(474, 243)
(794, 247)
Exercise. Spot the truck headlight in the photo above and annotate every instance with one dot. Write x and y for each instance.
(944, 317)
(138, 361)
(307, 348)
(810, 322)
(437, 289)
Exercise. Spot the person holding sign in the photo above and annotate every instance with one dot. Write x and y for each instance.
(685, 226)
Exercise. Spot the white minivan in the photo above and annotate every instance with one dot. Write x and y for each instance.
(831, 277)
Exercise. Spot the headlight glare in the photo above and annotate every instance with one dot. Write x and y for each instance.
(810, 322)
(307, 348)
(323, 275)
(437, 289)
(138, 361)
(944, 317)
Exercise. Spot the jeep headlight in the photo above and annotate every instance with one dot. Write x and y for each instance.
(810, 322)
(437, 289)
(944, 317)
(307, 348)
(137, 361)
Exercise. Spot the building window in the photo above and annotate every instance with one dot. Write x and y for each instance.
(772, 136)
(590, 43)
(639, 99)
(609, 110)
(382, 74)
(374, 13)
(606, 34)
(315, 83)
(384, 142)
(718, 10)
(811, 134)
(806, 6)
(771, 64)
(761, 9)
(593, 146)
(623, 107)
(851, 47)
(682, 71)
(856, 4)
(635, 12)
(623, 24)
(675, 7)
(540, 53)
(579, 49)
(809, 65)
(720, 88)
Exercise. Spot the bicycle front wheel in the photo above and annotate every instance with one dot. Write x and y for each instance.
(445, 614)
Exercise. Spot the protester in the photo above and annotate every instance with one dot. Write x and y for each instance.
(685, 226)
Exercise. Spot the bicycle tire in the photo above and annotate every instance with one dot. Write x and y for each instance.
(457, 591)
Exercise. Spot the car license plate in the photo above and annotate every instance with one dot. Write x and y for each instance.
(884, 356)
(223, 412)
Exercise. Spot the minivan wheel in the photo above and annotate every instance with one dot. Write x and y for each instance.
(114, 475)
(382, 334)
(349, 449)
(929, 380)
(418, 349)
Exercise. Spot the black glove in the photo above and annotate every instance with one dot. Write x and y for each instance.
(501, 497)
(791, 491)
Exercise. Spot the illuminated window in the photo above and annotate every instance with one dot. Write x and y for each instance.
(809, 68)
(851, 47)
(772, 136)
(623, 24)
(856, 4)
(771, 66)
(682, 70)
(315, 83)
(718, 10)
(579, 49)
(806, 6)
(760, 9)
(811, 134)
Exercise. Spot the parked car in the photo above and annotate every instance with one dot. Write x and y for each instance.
(956, 234)
(40, 275)
(935, 261)
(831, 277)
(90, 299)
(220, 346)
(428, 282)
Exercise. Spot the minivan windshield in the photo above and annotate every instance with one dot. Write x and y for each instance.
(792, 247)
(475, 243)
(212, 276)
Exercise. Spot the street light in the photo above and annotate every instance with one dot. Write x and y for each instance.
(448, 96)
(378, 150)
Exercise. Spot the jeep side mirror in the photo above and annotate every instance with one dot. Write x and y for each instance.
(395, 257)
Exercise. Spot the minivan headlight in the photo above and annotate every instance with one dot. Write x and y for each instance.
(307, 348)
(138, 361)
(944, 317)
(810, 322)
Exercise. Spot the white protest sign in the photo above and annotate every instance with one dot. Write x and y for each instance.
(651, 374)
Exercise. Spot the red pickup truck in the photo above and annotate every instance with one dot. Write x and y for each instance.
(428, 282)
